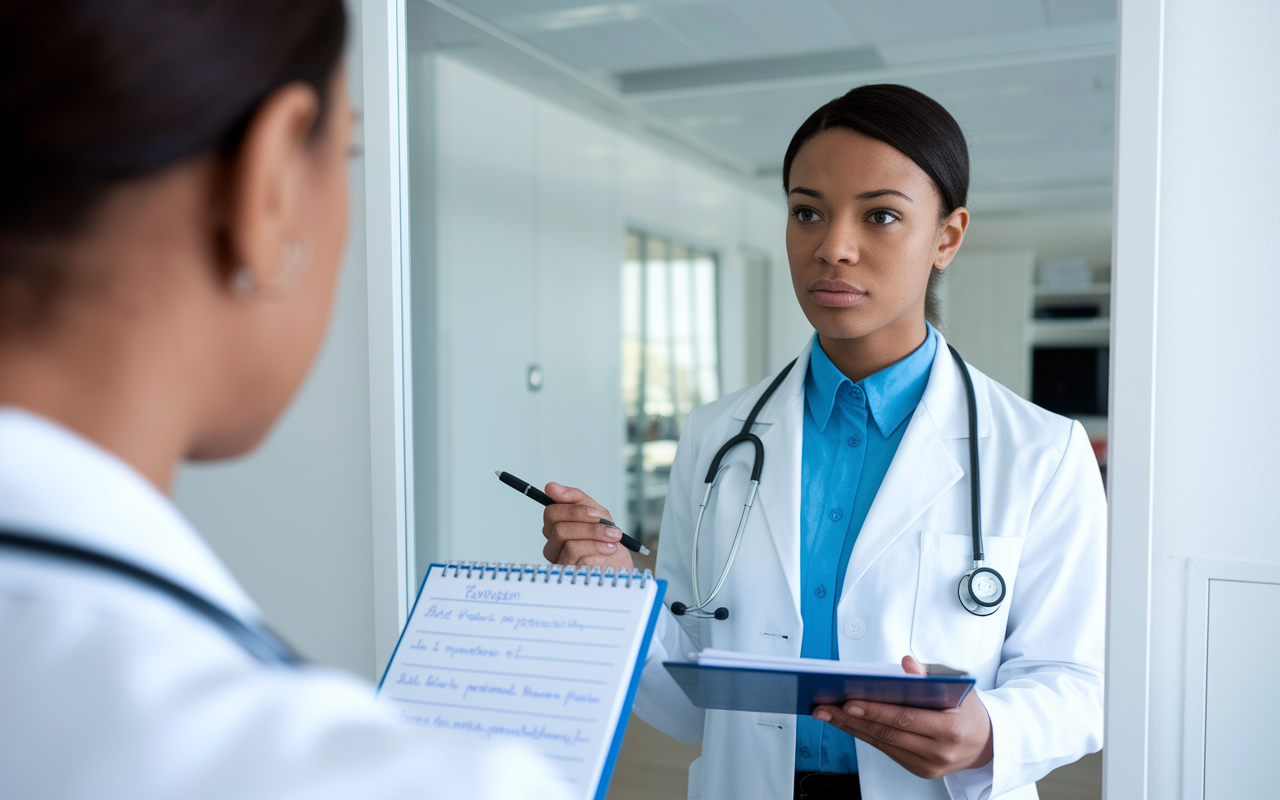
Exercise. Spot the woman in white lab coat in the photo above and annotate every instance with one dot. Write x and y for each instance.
(876, 183)
(173, 208)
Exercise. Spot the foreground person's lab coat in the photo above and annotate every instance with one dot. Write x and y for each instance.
(109, 689)
(1038, 660)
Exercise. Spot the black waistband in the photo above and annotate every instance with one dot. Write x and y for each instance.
(261, 643)
(827, 786)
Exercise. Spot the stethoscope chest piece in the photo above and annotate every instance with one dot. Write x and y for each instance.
(981, 591)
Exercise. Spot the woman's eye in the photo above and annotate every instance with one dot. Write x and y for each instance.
(805, 214)
(882, 217)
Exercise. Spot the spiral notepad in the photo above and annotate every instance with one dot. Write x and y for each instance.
(546, 655)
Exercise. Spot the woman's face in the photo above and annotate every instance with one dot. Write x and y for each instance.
(863, 236)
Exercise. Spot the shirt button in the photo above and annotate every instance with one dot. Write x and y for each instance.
(853, 441)
(836, 515)
(856, 393)
(805, 752)
(855, 628)
(820, 592)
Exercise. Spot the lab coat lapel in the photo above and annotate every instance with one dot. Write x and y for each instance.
(780, 427)
(922, 470)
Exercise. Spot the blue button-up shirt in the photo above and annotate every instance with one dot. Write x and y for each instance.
(851, 432)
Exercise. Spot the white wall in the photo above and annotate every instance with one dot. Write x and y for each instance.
(531, 206)
(1049, 234)
(1216, 431)
(293, 519)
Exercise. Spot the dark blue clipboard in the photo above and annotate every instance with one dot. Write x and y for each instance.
(784, 692)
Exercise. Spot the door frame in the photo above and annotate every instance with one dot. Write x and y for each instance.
(381, 26)
(1130, 435)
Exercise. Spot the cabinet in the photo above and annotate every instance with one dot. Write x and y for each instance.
(997, 316)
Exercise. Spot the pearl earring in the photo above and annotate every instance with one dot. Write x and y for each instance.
(243, 280)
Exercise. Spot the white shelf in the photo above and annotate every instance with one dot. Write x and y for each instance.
(1089, 332)
(1073, 290)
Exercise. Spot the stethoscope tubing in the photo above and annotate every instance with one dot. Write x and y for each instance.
(733, 550)
(256, 640)
(713, 476)
(975, 480)
(972, 604)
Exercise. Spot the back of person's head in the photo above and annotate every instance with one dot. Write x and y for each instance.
(173, 211)
(94, 93)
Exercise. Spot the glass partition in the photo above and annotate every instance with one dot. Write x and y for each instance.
(670, 362)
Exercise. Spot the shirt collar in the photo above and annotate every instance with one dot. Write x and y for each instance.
(892, 393)
(57, 484)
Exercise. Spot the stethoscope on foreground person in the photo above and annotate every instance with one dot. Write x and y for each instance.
(981, 590)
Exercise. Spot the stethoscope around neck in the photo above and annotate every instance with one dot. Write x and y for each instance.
(981, 589)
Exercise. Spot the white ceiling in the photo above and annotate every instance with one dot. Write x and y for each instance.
(1032, 82)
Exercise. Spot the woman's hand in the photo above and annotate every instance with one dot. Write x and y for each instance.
(575, 535)
(929, 744)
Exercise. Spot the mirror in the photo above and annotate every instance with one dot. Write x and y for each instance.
(572, 164)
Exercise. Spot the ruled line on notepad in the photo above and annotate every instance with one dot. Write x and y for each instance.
(508, 674)
(494, 710)
(516, 639)
(567, 660)
(532, 605)
(562, 758)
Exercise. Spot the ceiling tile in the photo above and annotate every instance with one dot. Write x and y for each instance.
(496, 10)
(879, 22)
(798, 26)
(996, 16)
(717, 29)
(617, 46)
(1032, 127)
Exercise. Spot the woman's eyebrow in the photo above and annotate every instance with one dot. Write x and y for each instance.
(881, 193)
(805, 191)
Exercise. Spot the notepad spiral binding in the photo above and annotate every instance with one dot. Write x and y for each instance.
(491, 570)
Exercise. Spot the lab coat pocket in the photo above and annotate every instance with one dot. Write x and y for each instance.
(942, 631)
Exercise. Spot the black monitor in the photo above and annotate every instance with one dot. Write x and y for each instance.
(1071, 381)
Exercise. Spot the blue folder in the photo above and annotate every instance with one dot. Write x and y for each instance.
(785, 692)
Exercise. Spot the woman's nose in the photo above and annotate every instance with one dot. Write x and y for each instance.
(839, 246)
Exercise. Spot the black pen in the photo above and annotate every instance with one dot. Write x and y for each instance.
(533, 493)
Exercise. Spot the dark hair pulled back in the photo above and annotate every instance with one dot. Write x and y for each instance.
(912, 123)
(97, 92)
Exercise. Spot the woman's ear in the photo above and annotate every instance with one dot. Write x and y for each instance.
(950, 235)
(266, 181)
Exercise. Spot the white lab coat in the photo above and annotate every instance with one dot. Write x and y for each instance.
(109, 689)
(1038, 660)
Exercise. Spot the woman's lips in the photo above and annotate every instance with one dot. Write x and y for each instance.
(836, 294)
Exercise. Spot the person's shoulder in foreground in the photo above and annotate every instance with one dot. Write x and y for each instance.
(111, 689)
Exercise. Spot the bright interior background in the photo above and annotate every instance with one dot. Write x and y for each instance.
(541, 132)
(300, 520)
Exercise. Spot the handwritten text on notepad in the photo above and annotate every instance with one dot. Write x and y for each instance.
(530, 660)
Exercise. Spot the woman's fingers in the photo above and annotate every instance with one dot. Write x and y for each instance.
(574, 533)
(575, 516)
(929, 743)
(568, 495)
(879, 732)
(584, 520)
(590, 553)
(913, 667)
